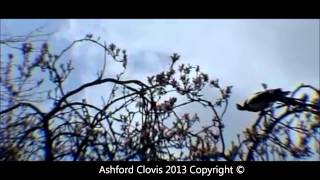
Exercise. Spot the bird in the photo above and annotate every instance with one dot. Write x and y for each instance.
(89, 36)
(259, 101)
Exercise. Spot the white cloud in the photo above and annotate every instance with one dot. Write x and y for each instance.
(243, 53)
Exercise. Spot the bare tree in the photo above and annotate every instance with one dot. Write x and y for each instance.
(138, 120)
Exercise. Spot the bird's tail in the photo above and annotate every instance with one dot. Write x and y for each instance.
(295, 102)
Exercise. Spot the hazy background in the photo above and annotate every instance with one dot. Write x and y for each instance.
(242, 53)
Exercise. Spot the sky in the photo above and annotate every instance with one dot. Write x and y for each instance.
(242, 53)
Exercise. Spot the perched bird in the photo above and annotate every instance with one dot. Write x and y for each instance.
(89, 36)
(262, 100)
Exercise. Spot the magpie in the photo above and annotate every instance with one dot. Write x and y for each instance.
(263, 99)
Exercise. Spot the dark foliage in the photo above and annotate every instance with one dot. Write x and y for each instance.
(139, 120)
